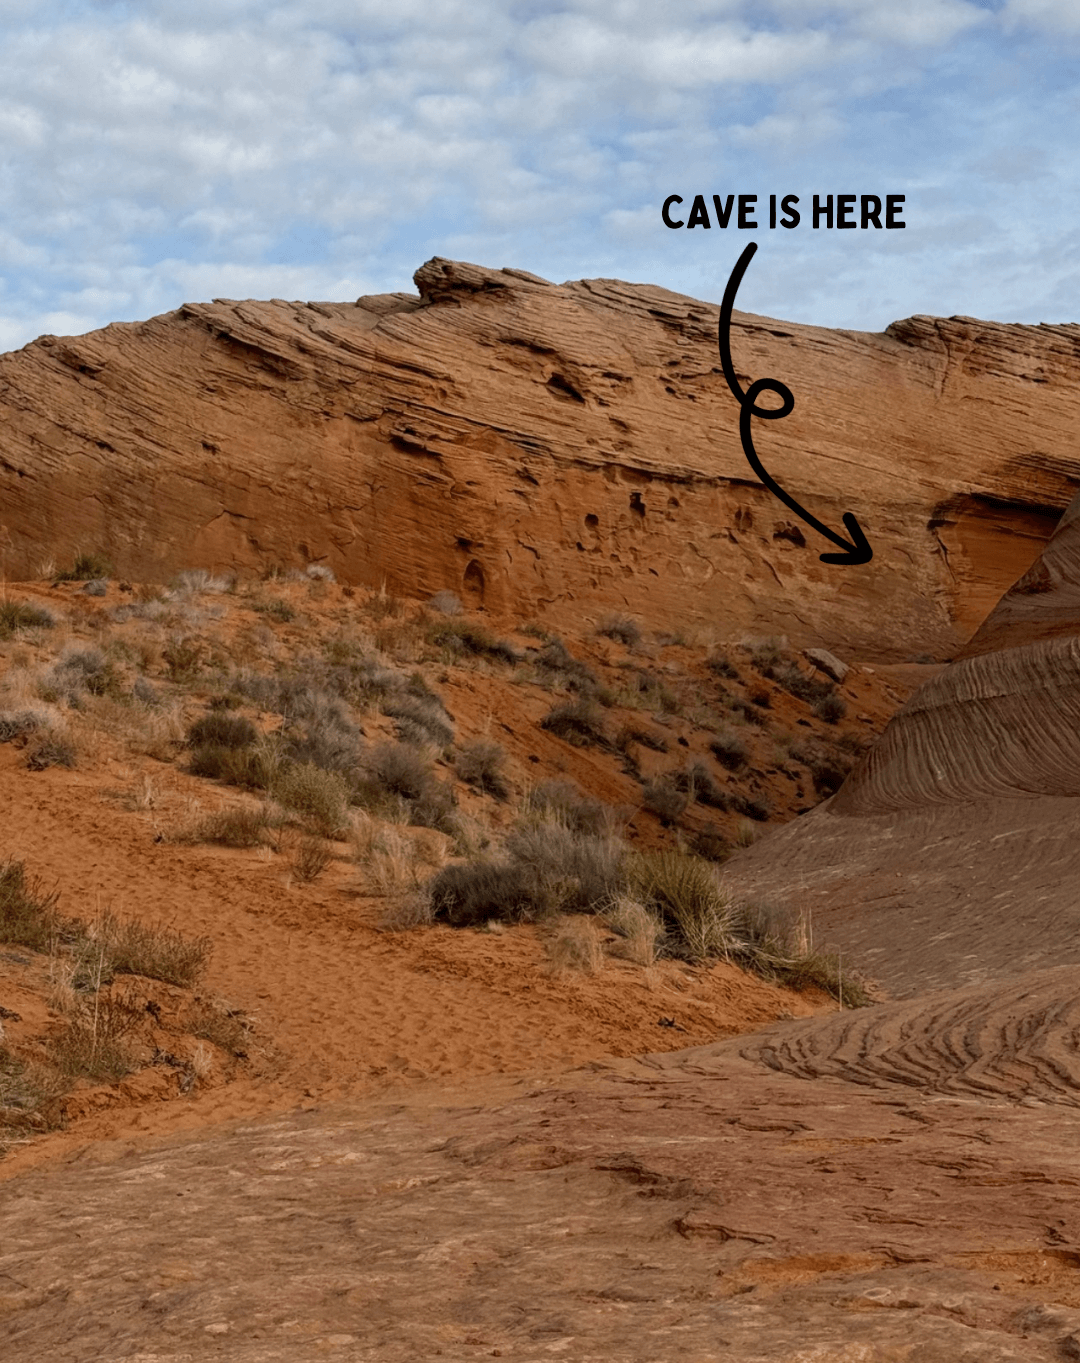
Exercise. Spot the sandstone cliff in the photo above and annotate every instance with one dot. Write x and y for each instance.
(552, 450)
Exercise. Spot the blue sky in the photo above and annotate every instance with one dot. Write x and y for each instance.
(153, 153)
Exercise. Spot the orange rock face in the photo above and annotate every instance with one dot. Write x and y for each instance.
(555, 450)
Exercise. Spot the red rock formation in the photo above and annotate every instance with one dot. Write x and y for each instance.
(552, 450)
(952, 853)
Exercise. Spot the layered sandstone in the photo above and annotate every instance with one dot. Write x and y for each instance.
(552, 450)
(952, 853)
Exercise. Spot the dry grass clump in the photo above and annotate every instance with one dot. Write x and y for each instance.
(480, 765)
(53, 750)
(700, 785)
(222, 730)
(86, 568)
(721, 664)
(243, 827)
(397, 780)
(184, 657)
(683, 892)
(420, 719)
(94, 1042)
(16, 615)
(275, 609)
(18, 723)
(622, 628)
(227, 1028)
(639, 932)
(133, 948)
(28, 912)
(391, 860)
(580, 722)
(565, 803)
(828, 771)
(79, 672)
(574, 943)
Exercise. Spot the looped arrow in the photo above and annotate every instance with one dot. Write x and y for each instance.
(856, 549)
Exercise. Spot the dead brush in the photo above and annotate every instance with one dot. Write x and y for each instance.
(94, 1042)
(229, 1029)
(29, 916)
(311, 858)
(133, 948)
(390, 858)
(573, 943)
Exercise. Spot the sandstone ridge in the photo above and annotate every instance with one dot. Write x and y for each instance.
(557, 450)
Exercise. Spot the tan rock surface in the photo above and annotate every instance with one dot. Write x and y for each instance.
(693, 1205)
(559, 450)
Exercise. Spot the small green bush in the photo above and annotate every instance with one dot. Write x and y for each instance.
(463, 637)
(698, 917)
(87, 568)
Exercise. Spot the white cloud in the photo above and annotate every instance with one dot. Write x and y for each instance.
(1058, 16)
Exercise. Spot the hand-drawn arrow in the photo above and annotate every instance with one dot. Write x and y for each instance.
(856, 549)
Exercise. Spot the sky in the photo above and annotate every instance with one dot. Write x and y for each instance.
(163, 152)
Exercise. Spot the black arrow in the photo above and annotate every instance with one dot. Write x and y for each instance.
(856, 549)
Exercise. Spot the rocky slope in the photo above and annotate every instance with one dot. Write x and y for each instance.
(951, 854)
(552, 450)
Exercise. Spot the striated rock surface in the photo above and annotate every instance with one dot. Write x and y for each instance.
(952, 853)
(552, 450)
(711, 1204)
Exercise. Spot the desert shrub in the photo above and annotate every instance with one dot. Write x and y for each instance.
(645, 690)
(662, 797)
(831, 709)
(28, 912)
(244, 827)
(328, 739)
(722, 665)
(466, 894)
(730, 751)
(574, 872)
(775, 944)
(446, 603)
(463, 637)
(621, 628)
(277, 610)
(435, 807)
(250, 768)
(18, 723)
(826, 971)
(791, 677)
(86, 567)
(98, 586)
(750, 807)
(134, 948)
(711, 845)
(319, 572)
(574, 943)
(225, 701)
(183, 658)
(827, 771)
(22, 615)
(144, 693)
(54, 750)
(760, 697)
(699, 784)
(683, 891)
(81, 671)
(480, 765)
(195, 581)
(321, 797)
(577, 721)
(766, 654)
(420, 719)
(557, 666)
(565, 803)
(851, 743)
(220, 730)
(398, 769)
(639, 932)
(311, 858)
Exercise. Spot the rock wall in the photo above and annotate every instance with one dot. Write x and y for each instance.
(558, 451)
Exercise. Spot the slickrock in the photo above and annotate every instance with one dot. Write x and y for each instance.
(951, 855)
(558, 450)
(691, 1205)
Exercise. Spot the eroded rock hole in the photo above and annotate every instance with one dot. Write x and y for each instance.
(473, 584)
(637, 504)
(563, 388)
